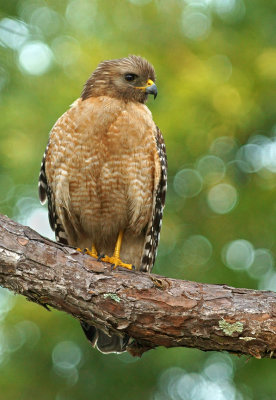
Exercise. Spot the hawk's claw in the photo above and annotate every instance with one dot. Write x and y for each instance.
(113, 267)
(92, 252)
(116, 262)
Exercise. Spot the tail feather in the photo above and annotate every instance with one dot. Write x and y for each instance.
(103, 342)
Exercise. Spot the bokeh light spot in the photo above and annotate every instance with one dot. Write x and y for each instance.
(28, 212)
(223, 147)
(262, 264)
(46, 19)
(251, 154)
(7, 301)
(208, 390)
(196, 250)
(222, 198)
(187, 182)
(268, 282)
(229, 10)
(208, 384)
(211, 168)
(258, 154)
(13, 33)
(14, 338)
(66, 50)
(224, 6)
(238, 254)
(66, 358)
(187, 383)
(30, 332)
(219, 367)
(81, 14)
(39, 221)
(168, 379)
(269, 155)
(195, 24)
(35, 58)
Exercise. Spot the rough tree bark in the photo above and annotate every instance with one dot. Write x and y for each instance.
(154, 310)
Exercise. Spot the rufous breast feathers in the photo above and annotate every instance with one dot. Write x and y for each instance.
(102, 166)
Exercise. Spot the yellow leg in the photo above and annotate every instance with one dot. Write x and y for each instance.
(118, 245)
(92, 253)
(115, 259)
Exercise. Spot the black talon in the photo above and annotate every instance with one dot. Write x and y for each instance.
(100, 257)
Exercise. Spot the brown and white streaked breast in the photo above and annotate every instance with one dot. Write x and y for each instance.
(102, 168)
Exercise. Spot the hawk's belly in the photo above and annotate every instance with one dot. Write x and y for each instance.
(113, 191)
(113, 183)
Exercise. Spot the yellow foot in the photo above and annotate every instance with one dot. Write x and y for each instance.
(92, 252)
(117, 262)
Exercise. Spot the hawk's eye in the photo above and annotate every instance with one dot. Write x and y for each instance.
(130, 77)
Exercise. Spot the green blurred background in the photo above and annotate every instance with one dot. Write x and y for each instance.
(216, 69)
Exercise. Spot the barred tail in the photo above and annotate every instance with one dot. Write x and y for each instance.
(104, 343)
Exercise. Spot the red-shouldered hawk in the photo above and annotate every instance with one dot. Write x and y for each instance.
(104, 173)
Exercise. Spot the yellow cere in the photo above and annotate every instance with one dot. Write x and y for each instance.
(149, 83)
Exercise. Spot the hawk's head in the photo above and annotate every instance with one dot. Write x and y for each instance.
(131, 79)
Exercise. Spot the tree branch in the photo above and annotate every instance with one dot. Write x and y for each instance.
(154, 310)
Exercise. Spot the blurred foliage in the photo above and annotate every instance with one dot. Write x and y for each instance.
(215, 62)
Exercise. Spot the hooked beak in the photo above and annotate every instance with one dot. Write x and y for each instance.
(150, 88)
